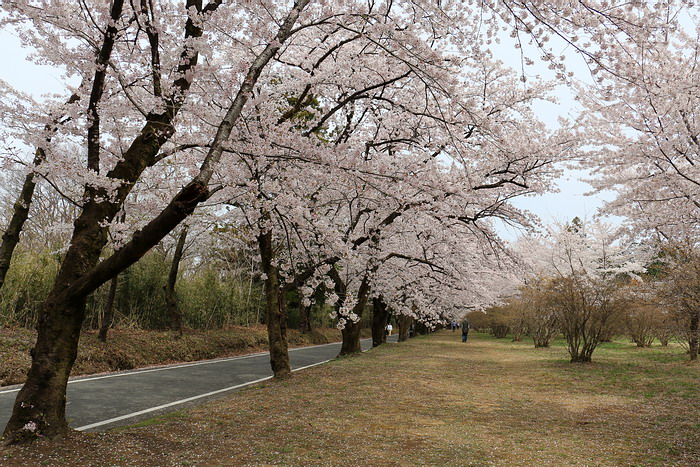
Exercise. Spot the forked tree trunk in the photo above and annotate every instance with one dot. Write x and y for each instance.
(275, 308)
(39, 408)
(380, 315)
(108, 314)
(404, 323)
(174, 314)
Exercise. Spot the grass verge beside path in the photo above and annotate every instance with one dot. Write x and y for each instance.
(429, 401)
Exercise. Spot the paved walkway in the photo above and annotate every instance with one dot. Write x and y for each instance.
(100, 402)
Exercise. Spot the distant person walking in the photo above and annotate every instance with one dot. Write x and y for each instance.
(389, 328)
(465, 330)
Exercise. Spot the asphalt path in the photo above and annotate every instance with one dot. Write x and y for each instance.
(97, 403)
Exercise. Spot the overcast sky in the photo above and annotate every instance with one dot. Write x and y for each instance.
(568, 203)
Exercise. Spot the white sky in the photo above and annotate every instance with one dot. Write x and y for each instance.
(568, 203)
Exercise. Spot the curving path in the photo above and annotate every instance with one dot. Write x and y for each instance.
(100, 402)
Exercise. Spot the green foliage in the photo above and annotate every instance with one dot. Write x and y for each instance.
(211, 300)
(28, 281)
(208, 299)
(140, 300)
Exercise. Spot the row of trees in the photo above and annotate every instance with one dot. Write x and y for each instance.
(585, 285)
(358, 150)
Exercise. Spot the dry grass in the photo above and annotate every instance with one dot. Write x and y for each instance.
(429, 401)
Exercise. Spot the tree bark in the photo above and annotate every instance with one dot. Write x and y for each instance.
(276, 309)
(108, 313)
(174, 314)
(351, 339)
(351, 331)
(305, 319)
(380, 315)
(404, 323)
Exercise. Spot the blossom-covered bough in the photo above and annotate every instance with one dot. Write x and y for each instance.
(368, 138)
(643, 120)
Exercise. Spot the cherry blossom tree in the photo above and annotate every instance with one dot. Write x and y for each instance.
(159, 82)
(642, 118)
(587, 268)
(40, 405)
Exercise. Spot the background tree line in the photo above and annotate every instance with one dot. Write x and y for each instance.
(596, 294)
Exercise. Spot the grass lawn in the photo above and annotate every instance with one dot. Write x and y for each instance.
(429, 401)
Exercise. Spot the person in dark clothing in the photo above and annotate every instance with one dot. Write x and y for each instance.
(465, 330)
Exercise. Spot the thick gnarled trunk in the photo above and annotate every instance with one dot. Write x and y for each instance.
(40, 405)
(351, 339)
(39, 408)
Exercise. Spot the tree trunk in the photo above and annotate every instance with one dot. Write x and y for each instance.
(581, 358)
(10, 238)
(305, 319)
(108, 314)
(39, 408)
(351, 331)
(404, 323)
(174, 314)
(276, 309)
(380, 315)
(351, 339)
(305, 326)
